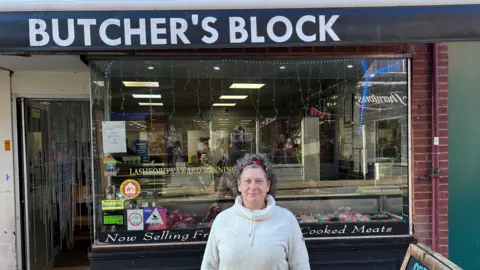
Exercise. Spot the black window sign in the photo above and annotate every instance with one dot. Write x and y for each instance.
(144, 30)
(201, 234)
(354, 229)
(145, 237)
(414, 264)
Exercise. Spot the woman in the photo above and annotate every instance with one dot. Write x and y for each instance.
(255, 234)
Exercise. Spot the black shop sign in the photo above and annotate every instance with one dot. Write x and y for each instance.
(201, 234)
(85, 31)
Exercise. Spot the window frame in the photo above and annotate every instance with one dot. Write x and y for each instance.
(309, 56)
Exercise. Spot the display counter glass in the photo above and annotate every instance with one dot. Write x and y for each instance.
(167, 136)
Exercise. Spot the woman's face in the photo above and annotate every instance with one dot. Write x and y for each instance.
(253, 184)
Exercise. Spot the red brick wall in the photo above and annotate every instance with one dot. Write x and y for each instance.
(422, 144)
(421, 101)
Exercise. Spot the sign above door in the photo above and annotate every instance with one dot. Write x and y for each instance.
(146, 30)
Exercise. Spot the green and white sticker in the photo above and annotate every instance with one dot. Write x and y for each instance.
(113, 220)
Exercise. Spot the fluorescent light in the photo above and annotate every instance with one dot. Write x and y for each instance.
(349, 66)
(146, 96)
(247, 85)
(216, 68)
(282, 67)
(150, 104)
(140, 84)
(233, 97)
(224, 104)
(99, 83)
(150, 68)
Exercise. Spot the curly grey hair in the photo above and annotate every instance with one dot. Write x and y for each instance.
(246, 162)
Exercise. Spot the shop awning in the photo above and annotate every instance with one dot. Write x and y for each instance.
(88, 31)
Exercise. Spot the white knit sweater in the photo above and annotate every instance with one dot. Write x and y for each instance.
(267, 239)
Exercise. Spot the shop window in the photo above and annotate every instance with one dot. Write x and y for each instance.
(167, 135)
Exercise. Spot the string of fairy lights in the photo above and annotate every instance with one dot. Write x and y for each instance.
(258, 71)
(283, 65)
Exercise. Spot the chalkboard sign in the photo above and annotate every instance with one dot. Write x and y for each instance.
(421, 257)
(414, 264)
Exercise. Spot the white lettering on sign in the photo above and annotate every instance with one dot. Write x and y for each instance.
(308, 231)
(392, 98)
(173, 31)
(103, 32)
(87, 26)
(346, 230)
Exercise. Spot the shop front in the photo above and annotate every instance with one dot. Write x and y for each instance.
(178, 97)
(168, 133)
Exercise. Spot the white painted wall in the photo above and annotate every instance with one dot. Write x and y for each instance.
(33, 84)
(7, 186)
(79, 5)
(51, 84)
(33, 77)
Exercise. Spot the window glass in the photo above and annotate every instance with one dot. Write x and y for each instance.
(167, 136)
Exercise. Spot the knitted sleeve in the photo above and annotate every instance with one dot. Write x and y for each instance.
(210, 257)
(297, 256)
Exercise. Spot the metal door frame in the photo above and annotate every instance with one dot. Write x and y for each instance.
(22, 236)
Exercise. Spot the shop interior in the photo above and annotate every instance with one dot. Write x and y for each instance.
(336, 130)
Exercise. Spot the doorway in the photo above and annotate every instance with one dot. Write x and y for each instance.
(54, 157)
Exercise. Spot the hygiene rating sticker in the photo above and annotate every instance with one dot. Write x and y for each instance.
(135, 220)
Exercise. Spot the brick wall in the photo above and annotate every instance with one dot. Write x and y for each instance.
(422, 144)
(421, 119)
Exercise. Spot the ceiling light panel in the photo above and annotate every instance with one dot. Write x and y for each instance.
(146, 96)
(224, 104)
(140, 84)
(150, 104)
(247, 85)
(233, 96)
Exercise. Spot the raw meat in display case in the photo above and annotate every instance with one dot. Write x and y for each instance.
(342, 214)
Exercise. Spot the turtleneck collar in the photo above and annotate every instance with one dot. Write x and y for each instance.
(254, 215)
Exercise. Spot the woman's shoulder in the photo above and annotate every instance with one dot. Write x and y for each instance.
(225, 215)
(284, 212)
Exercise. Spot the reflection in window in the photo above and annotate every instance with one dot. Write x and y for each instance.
(331, 127)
